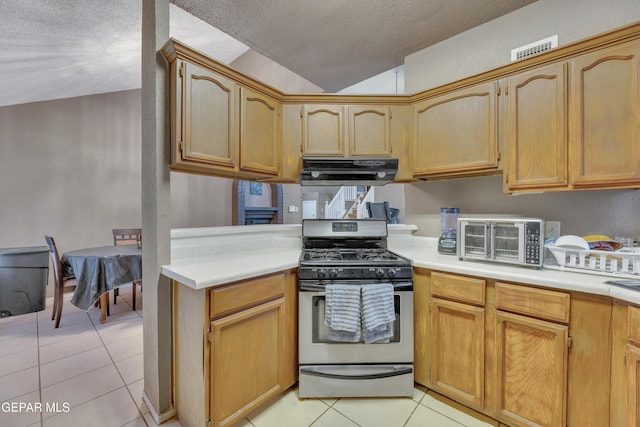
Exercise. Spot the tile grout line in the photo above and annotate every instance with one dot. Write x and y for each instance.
(112, 362)
(117, 370)
(323, 413)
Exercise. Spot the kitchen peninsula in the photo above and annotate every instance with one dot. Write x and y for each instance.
(235, 305)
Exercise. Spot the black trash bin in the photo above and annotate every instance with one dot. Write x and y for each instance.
(24, 273)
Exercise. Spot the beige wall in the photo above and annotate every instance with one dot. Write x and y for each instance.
(267, 71)
(611, 212)
(71, 168)
(488, 46)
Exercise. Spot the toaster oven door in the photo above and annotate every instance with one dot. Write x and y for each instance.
(508, 241)
(474, 239)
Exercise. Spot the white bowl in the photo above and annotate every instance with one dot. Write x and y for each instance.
(570, 241)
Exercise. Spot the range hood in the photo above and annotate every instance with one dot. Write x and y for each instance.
(349, 171)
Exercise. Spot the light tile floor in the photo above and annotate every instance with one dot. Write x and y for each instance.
(85, 373)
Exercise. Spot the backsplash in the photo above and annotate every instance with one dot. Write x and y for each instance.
(611, 212)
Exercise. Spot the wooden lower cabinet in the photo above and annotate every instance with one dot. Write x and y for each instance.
(633, 385)
(252, 345)
(247, 350)
(526, 355)
(421, 326)
(629, 374)
(235, 347)
(531, 370)
(457, 351)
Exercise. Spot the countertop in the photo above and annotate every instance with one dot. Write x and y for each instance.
(205, 257)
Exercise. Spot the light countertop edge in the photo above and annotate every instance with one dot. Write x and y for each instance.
(281, 252)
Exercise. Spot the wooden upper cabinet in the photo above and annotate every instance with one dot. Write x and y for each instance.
(605, 118)
(206, 117)
(260, 130)
(456, 133)
(537, 129)
(366, 132)
(369, 131)
(322, 130)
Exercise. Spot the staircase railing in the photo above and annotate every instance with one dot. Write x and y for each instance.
(362, 204)
(336, 208)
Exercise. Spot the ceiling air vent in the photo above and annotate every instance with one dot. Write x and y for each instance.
(534, 48)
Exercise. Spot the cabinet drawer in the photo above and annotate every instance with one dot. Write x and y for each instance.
(459, 288)
(634, 324)
(230, 298)
(542, 303)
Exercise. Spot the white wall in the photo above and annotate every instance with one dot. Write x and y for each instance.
(489, 45)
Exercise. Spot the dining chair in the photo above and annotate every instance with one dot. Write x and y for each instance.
(127, 236)
(61, 282)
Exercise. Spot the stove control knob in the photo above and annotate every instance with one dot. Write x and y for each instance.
(391, 272)
(333, 273)
(379, 272)
(322, 273)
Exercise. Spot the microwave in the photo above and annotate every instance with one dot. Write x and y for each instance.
(509, 240)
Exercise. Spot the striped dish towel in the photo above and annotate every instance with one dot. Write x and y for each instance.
(342, 312)
(378, 312)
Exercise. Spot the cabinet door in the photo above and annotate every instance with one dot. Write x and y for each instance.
(457, 351)
(605, 117)
(456, 133)
(322, 130)
(369, 131)
(633, 385)
(247, 351)
(531, 371)
(209, 118)
(260, 127)
(537, 129)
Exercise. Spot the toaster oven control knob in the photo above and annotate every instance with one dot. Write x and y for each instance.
(391, 272)
(322, 273)
(379, 272)
(333, 273)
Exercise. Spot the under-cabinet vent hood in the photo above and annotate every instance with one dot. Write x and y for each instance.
(351, 171)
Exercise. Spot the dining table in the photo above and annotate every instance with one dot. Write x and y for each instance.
(100, 269)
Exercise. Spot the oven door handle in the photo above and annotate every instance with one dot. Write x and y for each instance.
(328, 372)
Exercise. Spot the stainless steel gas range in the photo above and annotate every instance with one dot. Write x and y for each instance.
(343, 266)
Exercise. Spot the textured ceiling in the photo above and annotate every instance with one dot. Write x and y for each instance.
(65, 48)
(337, 43)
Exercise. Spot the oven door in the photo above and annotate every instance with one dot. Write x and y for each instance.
(315, 347)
